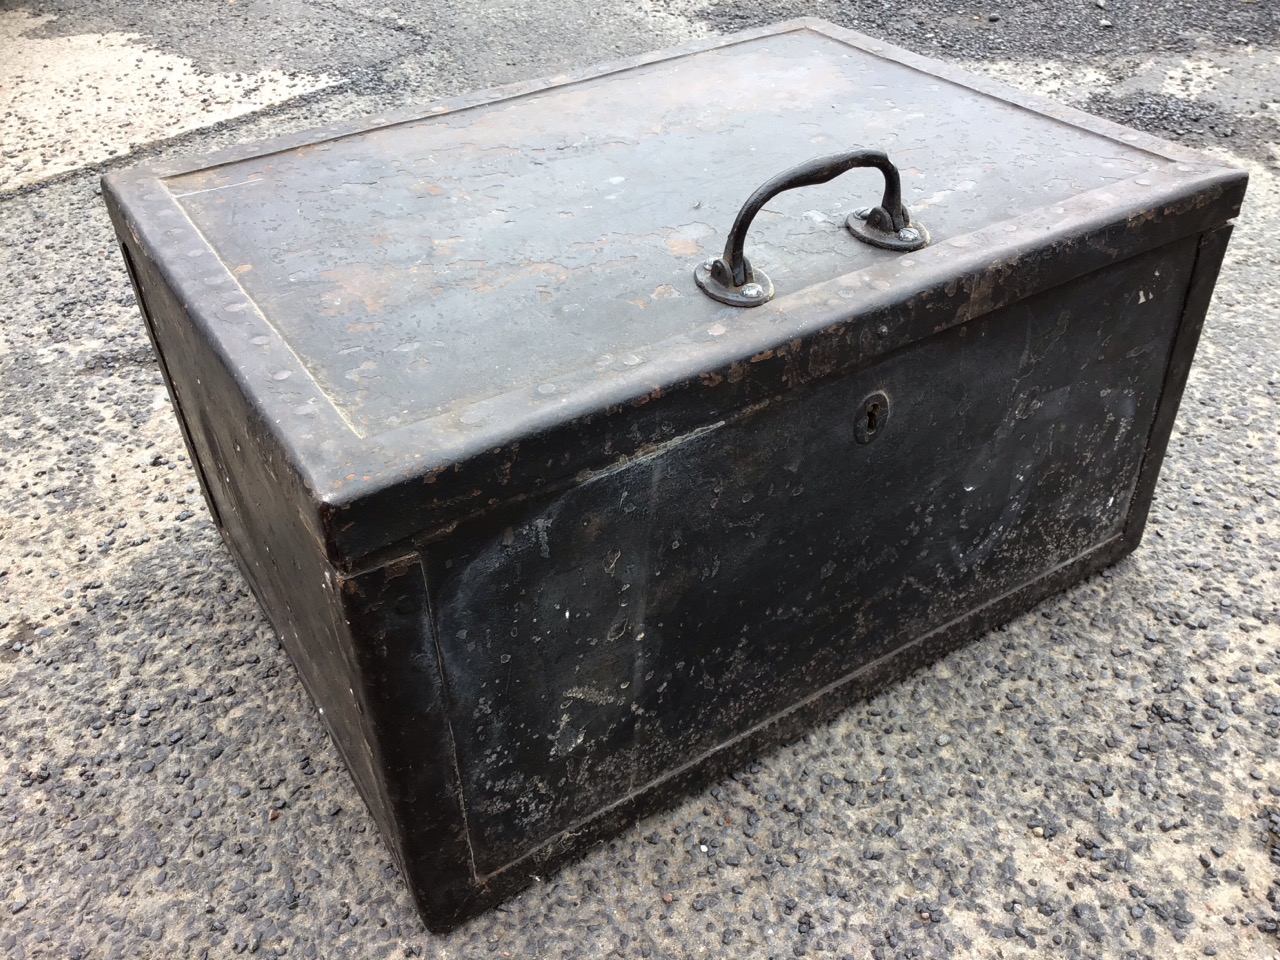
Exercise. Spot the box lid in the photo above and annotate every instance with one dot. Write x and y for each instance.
(447, 310)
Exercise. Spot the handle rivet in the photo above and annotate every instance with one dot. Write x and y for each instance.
(908, 234)
(753, 290)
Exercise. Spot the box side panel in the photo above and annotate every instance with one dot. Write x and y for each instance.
(261, 507)
(1209, 254)
(149, 324)
(388, 614)
(596, 641)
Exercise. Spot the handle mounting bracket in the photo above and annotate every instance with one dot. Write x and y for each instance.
(731, 279)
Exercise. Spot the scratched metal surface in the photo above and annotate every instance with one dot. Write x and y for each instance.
(418, 268)
(595, 641)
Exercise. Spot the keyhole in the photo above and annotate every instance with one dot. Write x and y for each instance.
(873, 418)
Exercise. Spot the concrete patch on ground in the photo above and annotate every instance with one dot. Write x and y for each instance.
(1242, 78)
(1245, 78)
(1222, 98)
(1066, 83)
(73, 101)
(485, 46)
(1192, 77)
(1240, 89)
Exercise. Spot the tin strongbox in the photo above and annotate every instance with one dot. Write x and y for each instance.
(585, 438)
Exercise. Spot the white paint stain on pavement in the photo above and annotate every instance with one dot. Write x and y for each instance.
(1059, 80)
(67, 102)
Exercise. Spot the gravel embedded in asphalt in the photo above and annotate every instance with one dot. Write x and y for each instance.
(1100, 778)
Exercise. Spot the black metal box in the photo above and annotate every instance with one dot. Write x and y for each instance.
(553, 535)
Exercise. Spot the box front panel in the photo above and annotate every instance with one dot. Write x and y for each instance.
(594, 641)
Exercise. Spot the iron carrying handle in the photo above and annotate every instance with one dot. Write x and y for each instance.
(731, 279)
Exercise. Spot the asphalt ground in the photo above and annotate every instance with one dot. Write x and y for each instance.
(1100, 778)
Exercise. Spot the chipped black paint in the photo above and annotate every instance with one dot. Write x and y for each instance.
(594, 640)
